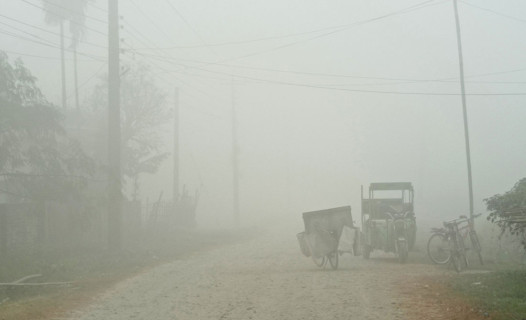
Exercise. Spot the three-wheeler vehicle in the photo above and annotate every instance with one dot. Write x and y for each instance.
(323, 232)
(388, 219)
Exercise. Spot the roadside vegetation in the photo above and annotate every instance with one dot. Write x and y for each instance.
(501, 295)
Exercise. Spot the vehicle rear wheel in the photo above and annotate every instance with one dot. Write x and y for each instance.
(366, 251)
(438, 249)
(333, 259)
(402, 250)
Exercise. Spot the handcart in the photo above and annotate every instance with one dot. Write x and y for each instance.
(323, 232)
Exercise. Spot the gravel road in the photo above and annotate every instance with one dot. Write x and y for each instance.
(264, 278)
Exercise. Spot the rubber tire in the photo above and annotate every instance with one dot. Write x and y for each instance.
(366, 251)
(436, 237)
(320, 262)
(333, 258)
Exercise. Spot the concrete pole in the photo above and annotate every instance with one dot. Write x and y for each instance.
(235, 160)
(114, 130)
(176, 182)
(464, 110)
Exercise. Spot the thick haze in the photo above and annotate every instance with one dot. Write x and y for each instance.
(308, 141)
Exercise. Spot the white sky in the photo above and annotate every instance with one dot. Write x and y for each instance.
(304, 147)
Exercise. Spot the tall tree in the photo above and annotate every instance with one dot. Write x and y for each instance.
(57, 12)
(143, 113)
(38, 161)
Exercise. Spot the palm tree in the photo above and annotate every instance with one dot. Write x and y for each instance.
(57, 12)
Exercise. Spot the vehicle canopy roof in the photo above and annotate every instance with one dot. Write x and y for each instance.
(391, 186)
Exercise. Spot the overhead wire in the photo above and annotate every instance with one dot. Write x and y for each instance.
(47, 31)
(46, 44)
(73, 22)
(361, 90)
(493, 11)
(74, 11)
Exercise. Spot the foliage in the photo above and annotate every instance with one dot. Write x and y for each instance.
(143, 113)
(37, 160)
(499, 294)
(503, 206)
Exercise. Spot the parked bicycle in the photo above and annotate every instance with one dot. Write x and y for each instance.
(447, 245)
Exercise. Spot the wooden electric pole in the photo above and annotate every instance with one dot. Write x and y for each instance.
(176, 149)
(235, 160)
(114, 130)
(464, 110)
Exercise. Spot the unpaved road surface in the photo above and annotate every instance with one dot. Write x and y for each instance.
(265, 278)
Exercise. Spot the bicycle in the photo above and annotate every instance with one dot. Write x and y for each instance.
(447, 244)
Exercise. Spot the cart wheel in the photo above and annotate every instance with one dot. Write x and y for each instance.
(333, 259)
(366, 251)
(320, 262)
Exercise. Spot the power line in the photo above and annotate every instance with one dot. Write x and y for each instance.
(494, 12)
(162, 31)
(47, 44)
(74, 11)
(333, 75)
(43, 57)
(344, 28)
(363, 91)
(47, 31)
(70, 21)
(290, 35)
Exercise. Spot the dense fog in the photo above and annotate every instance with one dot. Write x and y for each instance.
(327, 97)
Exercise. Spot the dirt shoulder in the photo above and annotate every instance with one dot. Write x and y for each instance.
(50, 302)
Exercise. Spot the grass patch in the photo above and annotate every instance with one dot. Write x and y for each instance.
(501, 294)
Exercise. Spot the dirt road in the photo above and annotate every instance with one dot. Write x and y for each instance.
(265, 278)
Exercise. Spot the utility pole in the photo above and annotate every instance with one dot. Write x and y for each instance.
(176, 149)
(63, 65)
(464, 110)
(76, 78)
(235, 160)
(114, 130)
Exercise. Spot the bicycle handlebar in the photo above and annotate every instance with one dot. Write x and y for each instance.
(462, 218)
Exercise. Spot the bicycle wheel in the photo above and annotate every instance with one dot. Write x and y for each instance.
(333, 259)
(438, 249)
(476, 245)
(319, 261)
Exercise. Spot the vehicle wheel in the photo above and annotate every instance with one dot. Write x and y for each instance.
(320, 262)
(402, 251)
(366, 251)
(333, 259)
(412, 237)
(438, 249)
(476, 245)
